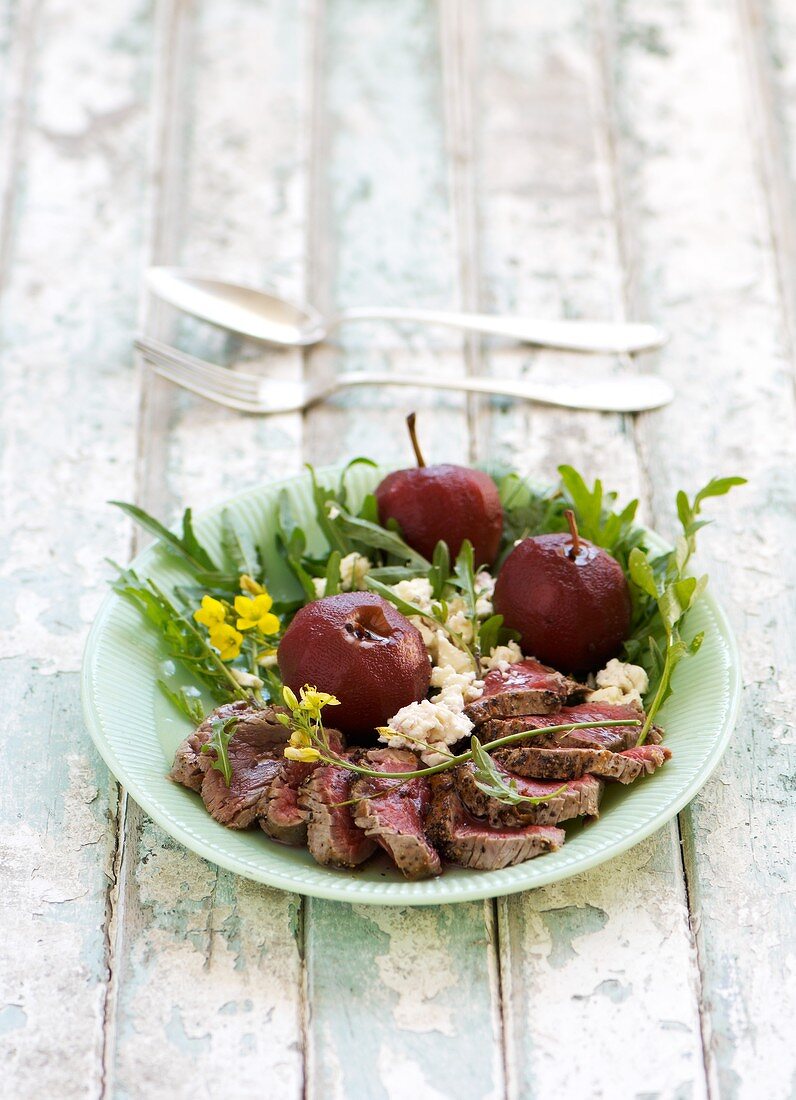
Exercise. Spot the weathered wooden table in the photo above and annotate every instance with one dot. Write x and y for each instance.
(578, 158)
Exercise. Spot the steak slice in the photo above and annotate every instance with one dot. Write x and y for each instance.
(614, 738)
(565, 763)
(470, 842)
(190, 764)
(396, 819)
(332, 836)
(284, 819)
(255, 762)
(580, 798)
(526, 687)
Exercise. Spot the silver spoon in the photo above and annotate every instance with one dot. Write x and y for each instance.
(264, 316)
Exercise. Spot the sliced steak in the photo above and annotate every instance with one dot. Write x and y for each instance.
(565, 763)
(580, 798)
(255, 761)
(260, 724)
(464, 839)
(190, 763)
(614, 738)
(526, 687)
(396, 819)
(284, 819)
(333, 838)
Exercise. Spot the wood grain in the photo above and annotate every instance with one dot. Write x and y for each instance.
(595, 158)
(67, 436)
(206, 967)
(376, 1027)
(549, 246)
(692, 173)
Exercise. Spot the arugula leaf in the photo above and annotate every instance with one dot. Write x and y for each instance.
(375, 537)
(183, 641)
(404, 606)
(439, 573)
(291, 538)
(187, 546)
(492, 782)
(332, 574)
(489, 633)
(186, 700)
(342, 489)
(237, 546)
(223, 730)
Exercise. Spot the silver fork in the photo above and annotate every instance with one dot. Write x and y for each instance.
(262, 396)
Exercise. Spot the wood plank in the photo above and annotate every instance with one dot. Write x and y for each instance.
(75, 89)
(396, 996)
(206, 965)
(549, 246)
(708, 273)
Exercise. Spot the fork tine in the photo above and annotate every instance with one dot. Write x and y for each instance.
(203, 378)
(246, 387)
(180, 378)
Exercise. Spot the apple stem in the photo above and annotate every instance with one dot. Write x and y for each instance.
(410, 423)
(573, 530)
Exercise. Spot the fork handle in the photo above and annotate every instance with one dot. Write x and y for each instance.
(625, 393)
(587, 336)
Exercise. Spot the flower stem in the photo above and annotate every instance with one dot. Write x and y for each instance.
(509, 739)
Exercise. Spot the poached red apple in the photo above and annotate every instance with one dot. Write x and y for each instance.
(568, 599)
(442, 503)
(359, 648)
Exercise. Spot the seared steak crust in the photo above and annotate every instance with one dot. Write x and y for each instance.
(332, 836)
(569, 763)
(527, 687)
(614, 738)
(396, 819)
(580, 798)
(464, 839)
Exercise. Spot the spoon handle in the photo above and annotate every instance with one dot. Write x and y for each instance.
(593, 336)
(615, 393)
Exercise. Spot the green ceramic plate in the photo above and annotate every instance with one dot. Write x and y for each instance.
(137, 730)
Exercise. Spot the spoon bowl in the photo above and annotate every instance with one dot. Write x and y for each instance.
(242, 309)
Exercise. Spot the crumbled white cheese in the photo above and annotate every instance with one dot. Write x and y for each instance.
(437, 725)
(622, 683)
(458, 620)
(416, 590)
(501, 657)
(438, 722)
(484, 588)
(353, 570)
(448, 680)
(268, 660)
(444, 652)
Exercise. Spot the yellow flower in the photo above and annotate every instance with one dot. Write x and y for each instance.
(304, 756)
(249, 584)
(227, 641)
(313, 700)
(255, 611)
(211, 614)
(291, 702)
(300, 739)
